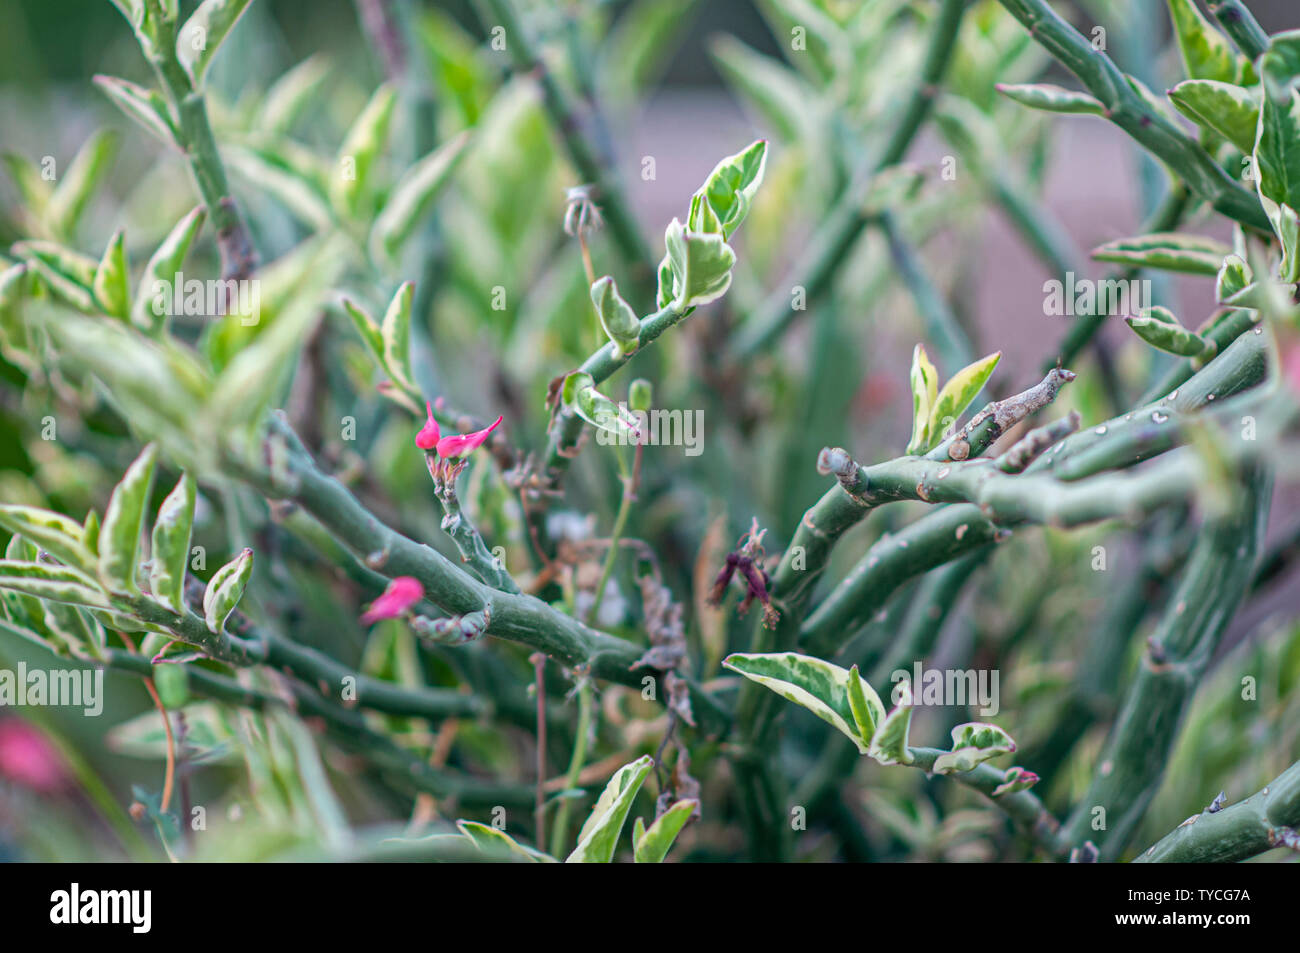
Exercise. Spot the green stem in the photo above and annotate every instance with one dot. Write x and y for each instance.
(1242, 26)
(1237, 832)
(1133, 762)
(511, 616)
(238, 257)
(1126, 107)
(473, 551)
(560, 832)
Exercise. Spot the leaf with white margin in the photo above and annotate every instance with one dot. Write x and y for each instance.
(225, 589)
(823, 688)
(650, 846)
(119, 537)
(889, 744)
(53, 532)
(701, 265)
(599, 835)
(973, 743)
(497, 843)
(171, 544)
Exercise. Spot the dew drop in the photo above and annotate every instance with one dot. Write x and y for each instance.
(1259, 330)
(1173, 396)
(943, 473)
(1100, 430)
(1209, 397)
(1159, 417)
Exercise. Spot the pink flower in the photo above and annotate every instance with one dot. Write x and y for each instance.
(402, 593)
(462, 445)
(429, 435)
(28, 758)
(454, 446)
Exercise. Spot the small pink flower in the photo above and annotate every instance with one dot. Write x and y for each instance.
(462, 445)
(429, 435)
(402, 593)
(28, 758)
(453, 446)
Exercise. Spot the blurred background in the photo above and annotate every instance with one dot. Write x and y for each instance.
(837, 380)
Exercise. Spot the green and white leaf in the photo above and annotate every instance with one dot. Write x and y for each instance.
(202, 34)
(79, 181)
(820, 686)
(700, 265)
(171, 544)
(55, 533)
(52, 583)
(651, 846)
(925, 392)
(599, 835)
(499, 844)
(1207, 53)
(973, 743)
(225, 589)
(111, 283)
(1051, 98)
(579, 395)
(119, 538)
(889, 744)
(413, 194)
(363, 142)
(1169, 251)
(616, 316)
(730, 187)
(1224, 108)
(156, 282)
(396, 334)
(146, 106)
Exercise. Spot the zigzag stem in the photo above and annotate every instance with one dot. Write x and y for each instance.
(838, 233)
(1127, 109)
(511, 616)
(1044, 495)
(1133, 762)
(238, 256)
(1267, 819)
(474, 553)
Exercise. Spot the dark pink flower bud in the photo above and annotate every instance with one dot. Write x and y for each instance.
(462, 445)
(429, 435)
(402, 593)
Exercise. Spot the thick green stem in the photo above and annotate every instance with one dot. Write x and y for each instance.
(1266, 819)
(1133, 762)
(516, 617)
(1242, 26)
(1127, 108)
